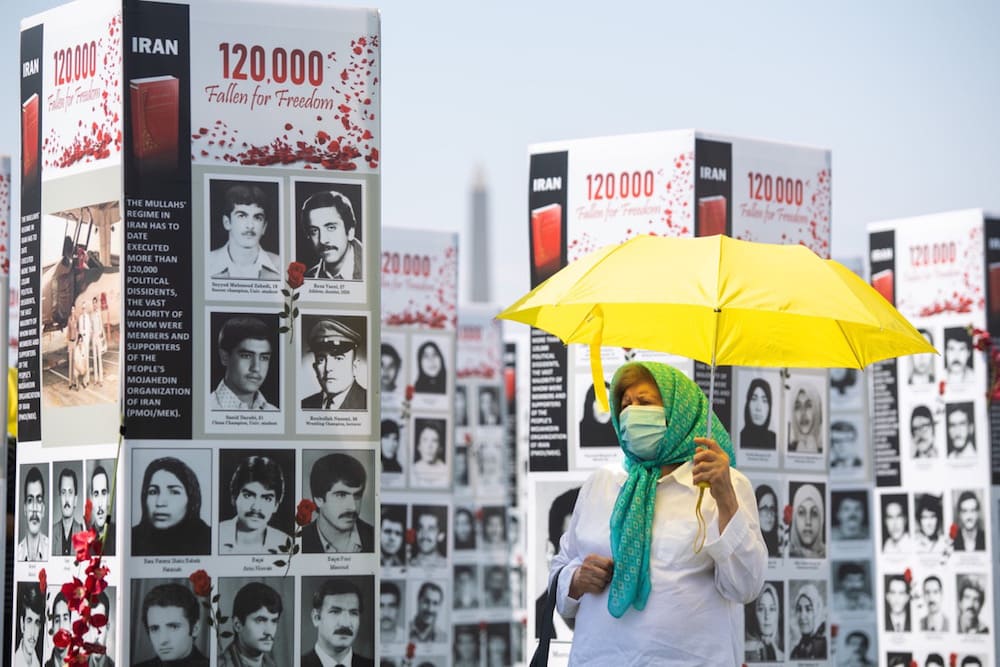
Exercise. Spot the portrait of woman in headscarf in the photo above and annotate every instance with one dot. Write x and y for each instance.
(431, 375)
(808, 534)
(805, 424)
(756, 432)
(652, 571)
(171, 523)
(767, 510)
(763, 626)
(809, 619)
(595, 425)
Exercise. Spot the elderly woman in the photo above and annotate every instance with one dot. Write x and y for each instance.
(805, 430)
(810, 619)
(171, 522)
(808, 539)
(756, 432)
(763, 623)
(630, 567)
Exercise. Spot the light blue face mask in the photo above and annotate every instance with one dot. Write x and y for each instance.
(643, 427)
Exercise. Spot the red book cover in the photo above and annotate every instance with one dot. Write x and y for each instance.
(29, 138)
(883, 283)
(155, 107)
(711, 215)
(546, 232)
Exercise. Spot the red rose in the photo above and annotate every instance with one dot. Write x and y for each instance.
(834, 628)
(952, 660)
(296, 274)
(82, 542)
(953, 531)
(787, 516)
(201, 582)
(907, 576)
(941, 385)
(409, 392)
(411, 650)
(304, 512)
(43, 580)
(411, 536)
(88, 510)
(913, 663)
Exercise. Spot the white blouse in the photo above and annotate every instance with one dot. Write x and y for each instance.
(695, 609)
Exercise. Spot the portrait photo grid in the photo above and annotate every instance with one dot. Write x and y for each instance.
(933, 580)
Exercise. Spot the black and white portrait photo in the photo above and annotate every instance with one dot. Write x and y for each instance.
(465, 578)
(260, 615)
(496, 586)
(807, 620)
(595, 425)
(430, 365)
(968, 513)
(928, 524)
(846, 389)
(430, 617)
(392, 378)
(245, 365)
(335, 348)
(957, 355)
(393, 456)
(465, 646)
(98, 490)
(921, 373)
(849, 515)
(852, 586)
(33, 544)
(846, 443)
(854, 646)
(169, 624)
(970, 592)
(807, 538)
(60, 618)
(392, 532)
(935, 619)
(338, 621)
(769, 510)
(244, 230)
(392, 610)
(340, 483)
(805, 416)
(430, 444)
(29, 625)
(498, 653)
(465, 529)
(256, 504)
(488, 402)
(923, 433)
(961, 430)
(897, 603)
(494, 527)
(759, 415)
(554, 500)
(898, 659)
(765, 625)
(171, 507)
(491, 462)
(896, 523)
(68, 502)
(461, 467)
(330, 230)
(461, 405)
(430, 527)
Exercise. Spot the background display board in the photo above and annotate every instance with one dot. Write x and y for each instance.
(931, 440)
(585, 194)
(200, 227)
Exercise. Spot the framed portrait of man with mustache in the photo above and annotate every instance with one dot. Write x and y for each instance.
(330, 229)
(338, 618)
(260, 615)
(256, 500)
(33, 529)
(68, 501)
(244, 230)
(340, 483)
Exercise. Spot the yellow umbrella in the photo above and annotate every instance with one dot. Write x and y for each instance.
(720, 301)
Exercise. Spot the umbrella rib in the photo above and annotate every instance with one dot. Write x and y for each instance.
(850, 346)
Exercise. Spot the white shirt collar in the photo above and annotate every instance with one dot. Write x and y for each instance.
(329, 661)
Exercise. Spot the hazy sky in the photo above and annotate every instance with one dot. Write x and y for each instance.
(906, 94)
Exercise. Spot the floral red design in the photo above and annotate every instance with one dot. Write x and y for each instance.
(411, 536)
(983, 341)
(304, 512)
(787, 515)
(411, 650)
(941, 387)
(43, 581)
(289, 311)
(953, 531)
(83, 544)
(834, 629)
(409, 392)
(88, 511)
(953, 660)
(201, 582)
(296, 274)
(907, 576)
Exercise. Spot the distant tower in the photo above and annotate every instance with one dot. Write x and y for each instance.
(479, 259)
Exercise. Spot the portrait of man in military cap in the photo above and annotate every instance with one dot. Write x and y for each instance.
(337, 346)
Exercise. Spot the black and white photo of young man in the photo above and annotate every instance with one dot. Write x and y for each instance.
(340, 485)
(34, 544)
(260, 616)
(331, 227)
(244, 230)
(246, 369)
(255, 500)
(168, 626)
(338, 621)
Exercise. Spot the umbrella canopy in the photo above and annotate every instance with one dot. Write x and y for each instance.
(720, 301)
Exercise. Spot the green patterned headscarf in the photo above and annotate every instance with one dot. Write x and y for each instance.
(632, 518)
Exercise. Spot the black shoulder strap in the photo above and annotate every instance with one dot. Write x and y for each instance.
(546, 628)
